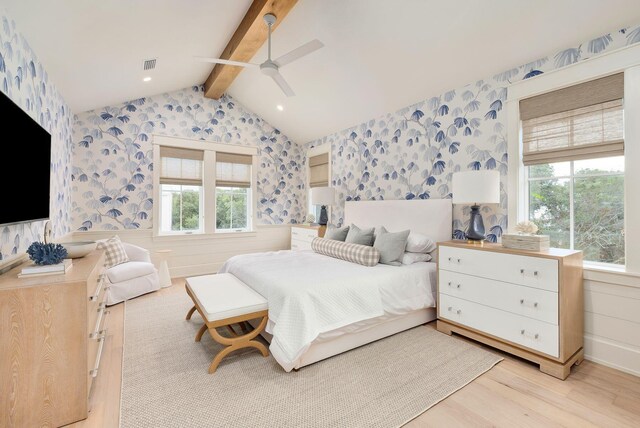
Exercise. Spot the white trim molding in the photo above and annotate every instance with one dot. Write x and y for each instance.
(625, 60)
(208, 229)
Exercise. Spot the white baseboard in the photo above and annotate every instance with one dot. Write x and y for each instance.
(614, 355)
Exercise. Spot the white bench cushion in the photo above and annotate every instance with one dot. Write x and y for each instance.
(224, 296)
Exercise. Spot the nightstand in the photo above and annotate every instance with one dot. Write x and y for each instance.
(302, 235)
(527, 303)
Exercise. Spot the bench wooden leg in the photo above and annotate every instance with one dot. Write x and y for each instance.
(237, 342)
(201, 332)
(191, 311)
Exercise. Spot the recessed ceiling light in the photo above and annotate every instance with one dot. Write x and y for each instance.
(147, 79)
(280, 107)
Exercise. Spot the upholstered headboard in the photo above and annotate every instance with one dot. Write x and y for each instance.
(432, 217)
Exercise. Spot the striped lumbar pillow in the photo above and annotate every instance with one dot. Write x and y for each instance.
(114, 253)
(355, 253)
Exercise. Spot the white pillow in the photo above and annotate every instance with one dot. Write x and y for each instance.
(419, 243)
(411, 258)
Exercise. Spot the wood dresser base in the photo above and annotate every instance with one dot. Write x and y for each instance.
(236, 341)
(548, 366)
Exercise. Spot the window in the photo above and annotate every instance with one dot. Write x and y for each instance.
(573, 148)
(318, 177)
(203, 187)
(180, 190)
(580, 205)
(233, 197)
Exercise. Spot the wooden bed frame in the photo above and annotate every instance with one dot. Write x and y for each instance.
(431, 217)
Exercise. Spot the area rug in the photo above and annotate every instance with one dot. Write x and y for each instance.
(383, 384)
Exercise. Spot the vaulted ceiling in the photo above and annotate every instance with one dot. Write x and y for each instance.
(379, 55)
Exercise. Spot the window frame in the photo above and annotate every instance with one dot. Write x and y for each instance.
(208, 199)
(570, 178)
(182, 232)
(627, 60)
(249, 218)
(315, 151)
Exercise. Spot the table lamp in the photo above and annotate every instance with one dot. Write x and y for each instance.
(475, 188)
(323, 196)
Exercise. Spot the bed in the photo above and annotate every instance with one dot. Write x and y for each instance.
(320, 306)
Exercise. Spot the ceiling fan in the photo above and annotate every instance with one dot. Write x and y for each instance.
(270, 67)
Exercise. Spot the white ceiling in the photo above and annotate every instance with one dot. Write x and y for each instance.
(379, 55)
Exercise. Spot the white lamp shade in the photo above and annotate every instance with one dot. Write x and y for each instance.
(323, 195)
(476, 187)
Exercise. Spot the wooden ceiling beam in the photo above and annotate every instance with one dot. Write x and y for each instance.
(250, 35)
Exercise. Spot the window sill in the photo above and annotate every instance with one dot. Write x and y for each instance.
(611, 274)
(204, 236)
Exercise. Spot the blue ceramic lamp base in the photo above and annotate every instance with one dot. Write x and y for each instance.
(475, 232)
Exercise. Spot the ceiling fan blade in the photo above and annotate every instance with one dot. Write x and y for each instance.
(283, 84)
(299, 52)
(226, 62)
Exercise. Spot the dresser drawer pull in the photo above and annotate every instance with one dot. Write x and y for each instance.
(98, 335)
(450, 284)
(96, 294)
(458, 311)
(94, 372)
(533, 336)
(535, 304)
(535, 272)
(452, 260)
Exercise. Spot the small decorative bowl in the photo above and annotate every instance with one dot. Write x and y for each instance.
(76, 250)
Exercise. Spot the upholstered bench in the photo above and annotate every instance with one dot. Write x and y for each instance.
(223, 300)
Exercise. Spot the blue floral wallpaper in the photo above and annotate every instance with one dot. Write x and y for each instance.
(25, 81)
(113, 161)
(413, 152)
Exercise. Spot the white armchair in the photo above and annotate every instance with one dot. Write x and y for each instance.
(134, 278)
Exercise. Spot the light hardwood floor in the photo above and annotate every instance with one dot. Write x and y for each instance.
(512, 394)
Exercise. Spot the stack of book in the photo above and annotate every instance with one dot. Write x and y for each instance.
(526, 242)
(38, 270)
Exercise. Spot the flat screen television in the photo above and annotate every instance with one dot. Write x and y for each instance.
(25, 193)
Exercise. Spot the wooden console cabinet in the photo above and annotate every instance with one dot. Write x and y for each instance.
(52, 330)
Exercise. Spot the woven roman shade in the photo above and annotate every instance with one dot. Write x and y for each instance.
(319, 170)
(233, 170)
(181, 166)
(579, 122)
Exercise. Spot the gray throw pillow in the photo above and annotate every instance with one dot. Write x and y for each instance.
(336, 233)
(391, 246)
(360, 236)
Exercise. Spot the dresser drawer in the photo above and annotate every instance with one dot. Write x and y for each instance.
(298, 245)
(518, 299)
(303, 234)
(530, 333)
(531, 271)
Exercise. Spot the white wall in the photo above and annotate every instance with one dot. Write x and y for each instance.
(612, 320)
(198, 255)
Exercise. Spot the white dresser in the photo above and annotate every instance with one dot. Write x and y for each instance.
(524, 302)
(301, 236)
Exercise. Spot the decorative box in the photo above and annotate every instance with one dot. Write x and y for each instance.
(526, 242)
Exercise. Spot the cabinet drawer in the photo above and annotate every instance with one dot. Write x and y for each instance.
(302, 234)
(518, 299)
(298, 245)
(529, 333)
(531, 271)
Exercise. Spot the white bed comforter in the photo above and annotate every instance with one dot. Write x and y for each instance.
(310, 294)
